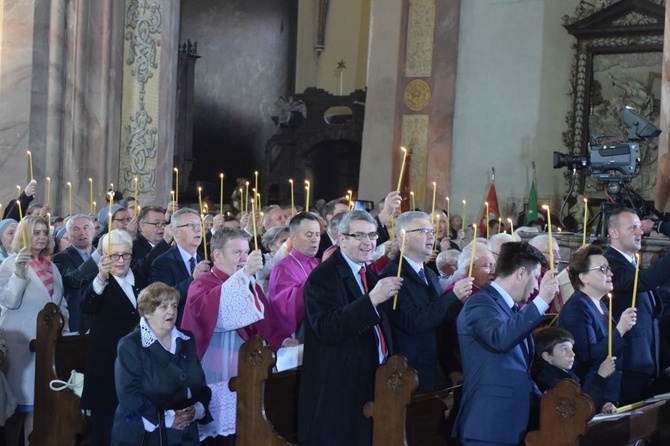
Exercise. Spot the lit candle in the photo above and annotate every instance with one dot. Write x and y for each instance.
(49, 224)
(292, 198)
(204, 237)
(511, 227)
(609, 328)
(18, 191)
(176, 186)
(256, 180)
(246, 197)
(432, 208)
(402, 167)
(402, 252)
(30, 162)
(549, 239)
(95, 205)
(637, 274)
(109, 230)
(437, 226)
(242, 200)
(411, 199)
(69, 186)
(253, 222)
(350, 194)
(586, 213)
(23, 227)
(465, 205)
(499, 224)
(221, 195)
(307, 187)
(137, 203)
(448, 216)
(200, 200)
(90, 194)
(48, 190)
(474, 246)
(486, 221)
(172, 196)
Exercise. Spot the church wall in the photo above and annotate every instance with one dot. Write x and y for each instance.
(245, 66)
(347, 29)
(511, 100)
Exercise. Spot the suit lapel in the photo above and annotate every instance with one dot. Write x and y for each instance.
(526, 344)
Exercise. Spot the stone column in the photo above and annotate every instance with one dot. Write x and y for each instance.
(418, 63)
(149, 93)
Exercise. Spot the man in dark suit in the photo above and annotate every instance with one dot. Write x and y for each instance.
(182, 263)
(421, 308)
(347, 336)
(78, 264)
(499, 396)
(641, 352)
(153, 239)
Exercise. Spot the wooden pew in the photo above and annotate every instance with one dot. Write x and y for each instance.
(58, 419)
(267, 403)
(564, 420)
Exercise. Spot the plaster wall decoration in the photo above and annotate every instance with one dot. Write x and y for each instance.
(415, 138)
(416, 95)
(420, 31)
(142, 39)
(618, 57)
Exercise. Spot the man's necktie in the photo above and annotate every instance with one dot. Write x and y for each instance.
(191, 263)
(378, 327)
(422, 274)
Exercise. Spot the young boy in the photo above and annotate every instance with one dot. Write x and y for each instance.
(553, 347)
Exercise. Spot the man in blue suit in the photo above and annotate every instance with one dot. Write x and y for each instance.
(499, 395)
(421, 307)
(641, 368)
(182, 263)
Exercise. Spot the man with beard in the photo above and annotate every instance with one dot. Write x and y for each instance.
(182, 263)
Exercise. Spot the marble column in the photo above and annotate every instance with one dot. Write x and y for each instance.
(418, 63)
(663, 169)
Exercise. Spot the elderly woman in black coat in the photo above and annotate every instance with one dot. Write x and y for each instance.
(159, 381)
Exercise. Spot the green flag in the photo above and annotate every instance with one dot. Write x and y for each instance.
(531, 207)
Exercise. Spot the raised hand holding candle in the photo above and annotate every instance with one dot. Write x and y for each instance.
(486, 222)
(402, 252)
(23, 227)
(221, 195)
(609, 327)
(402, 168)
(90, 194)
(550, 242)
(176, 186)
(637, 275)
(69, 186)
(432, 209)
(30, 161)
(474, 246)
(586, 213)
(511, 227)
(292, 198)
(48, 190)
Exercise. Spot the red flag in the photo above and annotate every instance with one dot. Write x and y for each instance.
(494, 212)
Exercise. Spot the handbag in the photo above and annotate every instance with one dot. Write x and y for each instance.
(75, 383)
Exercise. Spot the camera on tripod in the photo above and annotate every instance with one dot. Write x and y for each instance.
(615, 163)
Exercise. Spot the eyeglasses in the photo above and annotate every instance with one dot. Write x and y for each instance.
(158, 224)
(360, 236)
(192, 225)
(424, 230)
(127, 219)
(603, 269)
(487, 266)
(124, 256)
